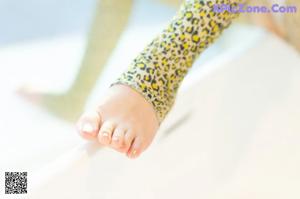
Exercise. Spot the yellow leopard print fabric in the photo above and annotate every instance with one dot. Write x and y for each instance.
(158, 70)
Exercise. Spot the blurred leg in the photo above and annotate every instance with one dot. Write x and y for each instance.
(175, 3)
(111, 18)
(265, 20)
(292, 25)
(285, 25)
(110, 21)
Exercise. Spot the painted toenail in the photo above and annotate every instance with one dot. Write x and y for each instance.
(134, 152)
(87, 128)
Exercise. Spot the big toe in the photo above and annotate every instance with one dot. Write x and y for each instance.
(89, 124)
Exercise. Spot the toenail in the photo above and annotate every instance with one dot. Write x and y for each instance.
(87, 128)
(115, 138)
(105, 134)
(134, 152)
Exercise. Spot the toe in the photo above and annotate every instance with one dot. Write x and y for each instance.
(135, 148)
(106, 132)
(88, 125)
(128, 140)
(117, 141)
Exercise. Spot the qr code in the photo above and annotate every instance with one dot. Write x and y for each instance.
(15, 182)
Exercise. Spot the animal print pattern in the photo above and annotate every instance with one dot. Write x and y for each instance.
(158, 70)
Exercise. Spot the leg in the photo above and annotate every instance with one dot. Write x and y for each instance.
(128, 118)
(265, 20)
(110, 20)
(286, 26)
(292, 25)
(175, 3)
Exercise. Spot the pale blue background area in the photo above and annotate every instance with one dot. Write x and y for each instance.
(40, 19)
(31, 19)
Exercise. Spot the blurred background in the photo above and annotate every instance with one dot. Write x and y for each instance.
(49, 73)
(42, 47)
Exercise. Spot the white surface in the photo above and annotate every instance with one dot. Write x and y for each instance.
(241, 140)
(49, 66)
(31, 137)
(228, 154)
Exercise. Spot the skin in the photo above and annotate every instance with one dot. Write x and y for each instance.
(124, 121)
(291, 25)
(102, 40)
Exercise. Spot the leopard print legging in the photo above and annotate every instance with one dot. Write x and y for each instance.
(158, 70)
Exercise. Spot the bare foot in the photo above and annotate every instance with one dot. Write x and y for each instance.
(124, 121)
